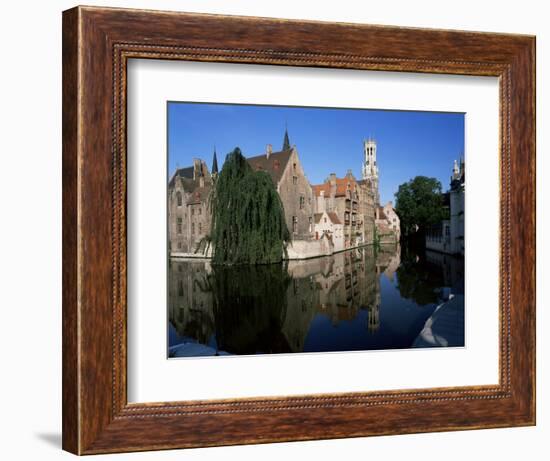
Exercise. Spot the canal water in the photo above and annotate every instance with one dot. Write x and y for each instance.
(359, 299)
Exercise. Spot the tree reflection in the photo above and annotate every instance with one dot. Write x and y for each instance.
(249, 306)
(419, 280)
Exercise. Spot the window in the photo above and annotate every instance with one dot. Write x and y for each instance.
(179, 199)
(193, 229)
(294, 180)
(325, 219)
(302, 202)
(200, 210)
(200, 228)
(192, 211)
(294, 224)
(179, 248)
(179, 225)
(294, 167)
(180, 287)
(310, 224)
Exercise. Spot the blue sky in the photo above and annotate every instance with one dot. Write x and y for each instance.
(328, 140)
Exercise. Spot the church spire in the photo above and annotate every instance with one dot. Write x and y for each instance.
(215, 163)
(286, 142)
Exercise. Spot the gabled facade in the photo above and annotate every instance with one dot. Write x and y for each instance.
(344, 197)
(329, 226)
(448, 235)
(188, 208)
(289, 178)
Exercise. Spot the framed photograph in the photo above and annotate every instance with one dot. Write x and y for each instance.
(269, 233)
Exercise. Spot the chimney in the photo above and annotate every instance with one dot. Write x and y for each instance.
(197, 173)
(268, 150)
(321, 202)
(332, 178)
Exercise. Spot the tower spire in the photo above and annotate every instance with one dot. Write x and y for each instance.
(215, 163)
(286, 141)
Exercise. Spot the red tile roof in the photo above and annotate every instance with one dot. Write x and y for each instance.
(331, 215)
(340, 189)
(334, 218)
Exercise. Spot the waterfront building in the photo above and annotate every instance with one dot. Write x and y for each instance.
(342, 196)
(188, 208)
(448, 235)
(387, 224)
(293, 187)
(329, 226)
(367, 208)
(339, 214)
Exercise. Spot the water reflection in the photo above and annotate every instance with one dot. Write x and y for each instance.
(355, 300)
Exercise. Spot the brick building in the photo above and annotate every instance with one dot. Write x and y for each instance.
(322, 219)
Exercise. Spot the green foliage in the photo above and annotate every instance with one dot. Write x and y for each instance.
(250, 305)
(419, 202)
(248, 221)
(419, 281)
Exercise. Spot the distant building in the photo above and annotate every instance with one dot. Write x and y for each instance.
(387, 224)
(370, 168)
(342, 196)
(385, 218)
(448, 235)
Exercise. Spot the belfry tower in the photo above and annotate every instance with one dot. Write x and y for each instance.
(370, 169)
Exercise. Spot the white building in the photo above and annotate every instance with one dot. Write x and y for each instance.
(327, 225)
(387, 220)
(448, 236)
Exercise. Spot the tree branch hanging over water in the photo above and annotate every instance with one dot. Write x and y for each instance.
(248, 221)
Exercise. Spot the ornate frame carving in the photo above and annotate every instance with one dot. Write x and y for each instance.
(97, 43)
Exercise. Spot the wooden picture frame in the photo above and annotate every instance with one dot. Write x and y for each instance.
(97, 43)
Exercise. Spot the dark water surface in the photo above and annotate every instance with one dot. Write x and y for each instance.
(355, 300)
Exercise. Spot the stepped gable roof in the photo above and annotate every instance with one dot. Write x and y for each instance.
(341, 187)
(274, 165)
(331, 215)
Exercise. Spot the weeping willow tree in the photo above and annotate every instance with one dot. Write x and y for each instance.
(248, 221)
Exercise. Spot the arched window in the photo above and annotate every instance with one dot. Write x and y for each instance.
(179, 199)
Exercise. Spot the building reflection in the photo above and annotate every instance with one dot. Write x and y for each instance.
(355, 299)
(270, 309)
